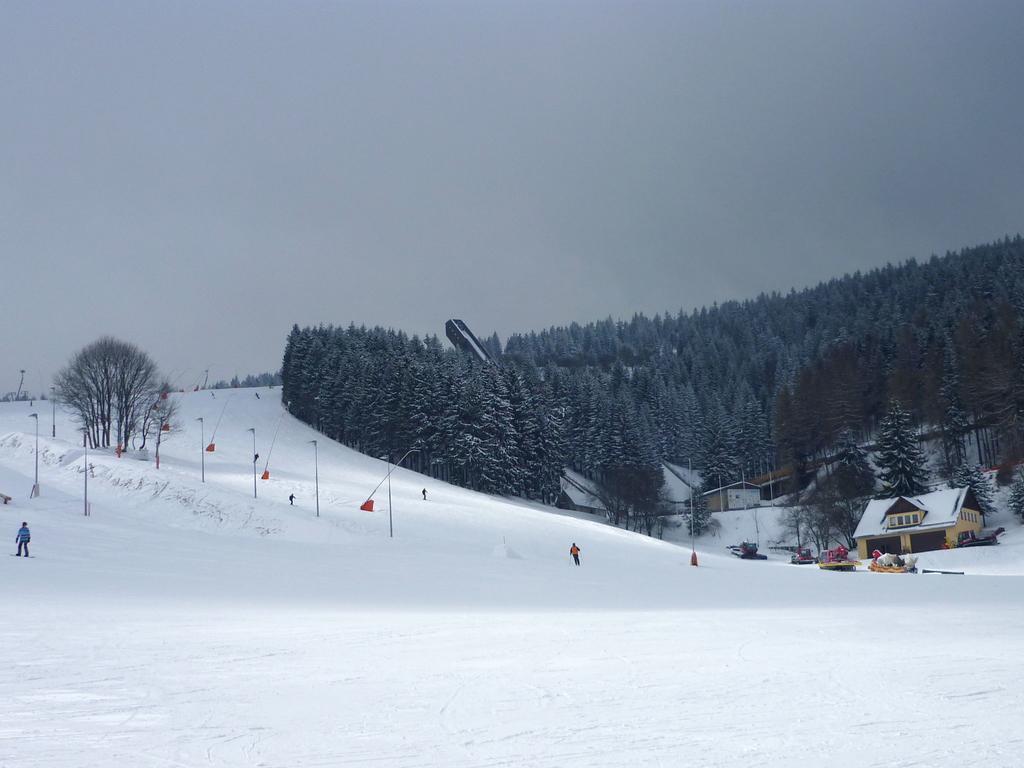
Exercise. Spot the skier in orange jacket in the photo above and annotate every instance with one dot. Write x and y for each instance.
(575, 552)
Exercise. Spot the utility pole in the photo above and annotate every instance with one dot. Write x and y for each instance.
(53, 416)
(693, 545)
(316, 475)
(255, 457)
(202, 449)
(35, 485)
(85, 474)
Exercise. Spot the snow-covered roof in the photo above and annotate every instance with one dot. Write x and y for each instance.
(691, 477)
(738, 485)
(675, 490)
(581, 491)
(941, 510)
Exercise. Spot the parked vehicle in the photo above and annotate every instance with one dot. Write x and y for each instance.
(803, 556)
(837, 559)
(747, 550)
(972, 539)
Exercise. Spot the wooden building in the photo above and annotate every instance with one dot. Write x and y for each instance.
(918, 523)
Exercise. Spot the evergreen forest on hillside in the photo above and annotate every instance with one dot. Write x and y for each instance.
(776, 382)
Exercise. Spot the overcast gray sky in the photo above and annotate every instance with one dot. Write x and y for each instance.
(196, 177)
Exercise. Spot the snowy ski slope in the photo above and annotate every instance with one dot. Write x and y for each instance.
(187, 624)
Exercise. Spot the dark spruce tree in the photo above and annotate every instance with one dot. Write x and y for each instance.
(899, 458)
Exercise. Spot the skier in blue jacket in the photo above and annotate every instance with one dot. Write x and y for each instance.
(23, 538)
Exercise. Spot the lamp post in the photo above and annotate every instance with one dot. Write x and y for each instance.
(693, 545)
(35, 485)
(255, 456)
(85, 474)
(53, 415)
(316, 474)
(202, 449)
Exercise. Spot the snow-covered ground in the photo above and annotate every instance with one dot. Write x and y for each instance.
(187, 624)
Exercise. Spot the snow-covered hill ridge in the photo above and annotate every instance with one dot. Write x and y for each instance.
(174, 533)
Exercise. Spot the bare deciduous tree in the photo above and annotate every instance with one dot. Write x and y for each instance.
(111, 386)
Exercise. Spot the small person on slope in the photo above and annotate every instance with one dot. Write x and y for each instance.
(23, 538)
(575, 552)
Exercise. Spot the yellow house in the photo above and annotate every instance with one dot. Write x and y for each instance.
(917, 523)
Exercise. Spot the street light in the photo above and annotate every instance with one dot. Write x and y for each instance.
(202, 449)
(255, 457)
(53, 416)
(35, 485)
(316, 474)
(85, 474)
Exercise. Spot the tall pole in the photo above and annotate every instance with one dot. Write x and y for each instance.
(316, 475)
(202, 449)
(35, 485)
(771, 483)
(254, 458)
(85, 443)
(391, 524)
(689, 474)
(693, 545)
(53, 416)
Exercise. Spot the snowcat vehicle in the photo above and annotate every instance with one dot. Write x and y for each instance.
(892, 563)
(803, 556)
(837, 559)
(971, 539)
(747, 550)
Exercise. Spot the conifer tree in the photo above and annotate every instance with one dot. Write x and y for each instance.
(900, 460)
(972, 477)
(1017, 495)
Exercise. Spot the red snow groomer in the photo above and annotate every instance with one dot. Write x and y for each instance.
(972, 539)
(747, 550)
(837, 559)
(803, 556)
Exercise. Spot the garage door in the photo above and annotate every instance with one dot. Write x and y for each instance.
(926, 542)
(888, 545)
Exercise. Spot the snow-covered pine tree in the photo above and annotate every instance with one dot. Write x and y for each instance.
(954, 420)
(972, 477)
(1017, 495)
(900, 460)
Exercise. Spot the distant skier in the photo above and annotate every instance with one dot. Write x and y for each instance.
(424, 494)
(257, 395)
(23, 538)
(575, 552)
(291, 499)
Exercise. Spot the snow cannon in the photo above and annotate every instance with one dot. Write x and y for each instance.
(265, 475)
(165, 427)
(367, 506)
(211, 448)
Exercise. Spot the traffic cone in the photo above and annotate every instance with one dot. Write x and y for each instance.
(693, 558)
